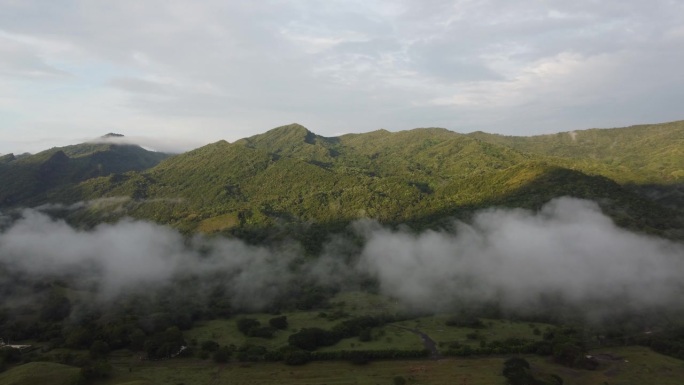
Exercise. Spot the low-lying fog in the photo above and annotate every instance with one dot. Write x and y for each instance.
(567, 250)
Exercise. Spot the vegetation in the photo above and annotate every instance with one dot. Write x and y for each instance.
(290, 183)
(651, 153)
(28, 180)
(621, 365)
(41, 373)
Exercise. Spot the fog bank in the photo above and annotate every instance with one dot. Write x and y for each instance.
(568, 250)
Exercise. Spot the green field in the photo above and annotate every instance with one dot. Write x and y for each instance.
(225, 331)
(389, 336)
(494, 330)
(40, 373)
(361, 303)
(617, 365)
(631, 366)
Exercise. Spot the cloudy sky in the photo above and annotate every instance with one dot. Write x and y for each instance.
(196, 72)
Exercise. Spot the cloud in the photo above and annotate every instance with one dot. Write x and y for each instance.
(518, 258)
(568, 251)
(101, 203)
(217, 70)
(24, 56)
(136, 257)
(125, 253)
(171, 145)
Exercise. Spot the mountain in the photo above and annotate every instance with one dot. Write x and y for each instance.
(27, 179)
(639, 154)
(291, 181)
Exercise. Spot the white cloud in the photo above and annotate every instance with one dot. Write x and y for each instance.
(224, 69)
(568, 251)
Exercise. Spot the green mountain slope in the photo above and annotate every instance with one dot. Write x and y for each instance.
(41, 373)
(28, 179)
(290, 180)
(638, 154)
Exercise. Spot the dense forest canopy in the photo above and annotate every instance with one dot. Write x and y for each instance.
(290, 179)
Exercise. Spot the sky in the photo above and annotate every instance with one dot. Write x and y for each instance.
(175, 75)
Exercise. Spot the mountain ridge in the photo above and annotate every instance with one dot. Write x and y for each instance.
(289, 180)
(663, 144)
(29, 177)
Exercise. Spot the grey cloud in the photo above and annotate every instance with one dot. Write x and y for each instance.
(161, 144)
(139, 86)
(17, 59)
(239, 68)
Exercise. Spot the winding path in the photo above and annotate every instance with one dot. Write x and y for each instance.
(428, 342)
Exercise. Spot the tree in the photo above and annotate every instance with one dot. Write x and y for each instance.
(568, 354)
(517, 372)
(358, 357)
(96, 370)
(278, 322)
(311, 338)
(210, 346)
(261, 332)
(79, 337)
(365, 335)
(222, 355)
(164, 344)
(56, 308)
(245, 325)
(99, 349)
(7, 356)
(296, 357)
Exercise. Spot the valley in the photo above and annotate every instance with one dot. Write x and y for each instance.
(424, 256)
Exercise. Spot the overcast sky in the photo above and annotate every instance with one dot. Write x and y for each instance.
(196, 72)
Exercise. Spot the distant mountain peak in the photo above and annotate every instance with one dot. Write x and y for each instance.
(293, 128)
(112, 135)
(282, 137)
(7, 158)
(295, 125)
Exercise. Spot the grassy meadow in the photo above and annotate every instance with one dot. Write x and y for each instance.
(629, 365)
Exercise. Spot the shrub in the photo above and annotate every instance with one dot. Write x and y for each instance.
(278, 322)
(311, 338)
(222, 355)
(296, 357)
(261, 332)
(210, 346)
(245, 325)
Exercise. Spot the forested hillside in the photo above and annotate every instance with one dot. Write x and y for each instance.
(292, 181)
(638, 154)
(27, 178)
(102, 291)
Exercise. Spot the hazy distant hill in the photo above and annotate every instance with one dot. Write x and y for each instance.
(292, 181)
(26, 179)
